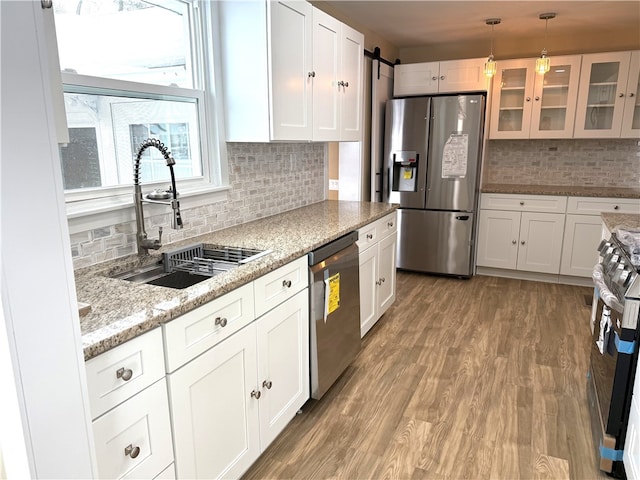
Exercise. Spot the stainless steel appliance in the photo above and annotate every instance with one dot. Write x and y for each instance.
(614, 350)
(334, 311)
(433, 149)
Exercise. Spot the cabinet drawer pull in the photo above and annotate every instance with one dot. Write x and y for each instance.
(286, 283)
(389, 224)
(616, 207)
(369, 236)
(131, 451)
(124, 373)
(521, 203)
(256, 394)
(267, 384)
(222, 321)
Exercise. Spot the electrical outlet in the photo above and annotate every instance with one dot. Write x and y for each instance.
(333, 184)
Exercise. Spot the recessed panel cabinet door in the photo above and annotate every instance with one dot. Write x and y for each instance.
(326, 65)
(581, 239)
(387, 273)
(291, 86)
(351, 71)
(540, 244)
(368, 270)
(214, 414)
(283, 364)
(498, 239)
(631, 117)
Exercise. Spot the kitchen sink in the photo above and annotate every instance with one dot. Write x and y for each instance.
(187, 266)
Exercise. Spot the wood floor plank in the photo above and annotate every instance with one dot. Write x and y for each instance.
(480, 378)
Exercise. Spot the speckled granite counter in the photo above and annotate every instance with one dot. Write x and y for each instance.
(572, 191)
(122, 310)
(613, 220)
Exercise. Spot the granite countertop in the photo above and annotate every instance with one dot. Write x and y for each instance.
(568, 190)
(121, 310)
(628, 220)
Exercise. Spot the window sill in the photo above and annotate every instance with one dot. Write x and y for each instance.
(101, 213)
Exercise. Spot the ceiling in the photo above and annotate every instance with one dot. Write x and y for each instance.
(426, 23)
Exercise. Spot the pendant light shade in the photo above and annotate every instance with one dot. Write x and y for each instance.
(543, 64)
(490, 66)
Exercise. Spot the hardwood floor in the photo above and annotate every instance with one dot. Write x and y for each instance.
(480, 378)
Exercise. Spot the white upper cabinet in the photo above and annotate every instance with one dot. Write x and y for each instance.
(528, 105)
(337, 79)
(290, 73)
(440, 77)
(608, 98)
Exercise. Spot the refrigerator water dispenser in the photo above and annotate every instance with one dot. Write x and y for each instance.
(405, 170)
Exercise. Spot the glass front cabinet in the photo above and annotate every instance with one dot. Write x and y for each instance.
(608, 105)
(529, 105)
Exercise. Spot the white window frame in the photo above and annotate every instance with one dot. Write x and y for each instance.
(95, 208)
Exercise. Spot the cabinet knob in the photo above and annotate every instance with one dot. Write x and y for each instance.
(378, 282)
(286, 283)
(514, 241)
(131, 451)
(369, 236)
(537, 99)
(390, 224)
(631, 94)
(345, 84)
(382, 280)
(256, 394)
(616, 207)
(434, 78)
(621, 95)
(528, 99)
(522, 242)
(222, 321)
(441, 77)
(311, 74)
(124, 373)
(521, 203)
(267, 384)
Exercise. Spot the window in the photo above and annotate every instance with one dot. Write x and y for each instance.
(134, 69)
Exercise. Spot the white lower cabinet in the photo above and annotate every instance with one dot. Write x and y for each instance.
(581, 238)
(377, 261)
(230, 402)
(529, 241)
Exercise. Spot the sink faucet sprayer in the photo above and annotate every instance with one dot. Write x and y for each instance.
(144, 243)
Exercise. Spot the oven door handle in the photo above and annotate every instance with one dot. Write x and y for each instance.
(607, 295)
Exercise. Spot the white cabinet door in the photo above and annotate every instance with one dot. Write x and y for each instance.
(601, 97)
(326, 69)
(290, 54)
(554, 99)
(498, 235)
(540, 240)
(462, 76)
(631, 117)
(215, 416)
(368, 260)
(387, 273)
(351, 76)
(283, 364)
(581, 238)
(416, 79)
(511, 102)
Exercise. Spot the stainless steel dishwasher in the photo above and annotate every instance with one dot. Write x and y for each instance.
(334, 311)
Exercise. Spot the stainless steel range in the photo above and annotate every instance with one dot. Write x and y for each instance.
(614, 349)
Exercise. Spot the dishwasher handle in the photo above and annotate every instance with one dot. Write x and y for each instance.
(330, 249)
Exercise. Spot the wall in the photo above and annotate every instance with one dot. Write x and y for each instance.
(574, 162)
(265, 179)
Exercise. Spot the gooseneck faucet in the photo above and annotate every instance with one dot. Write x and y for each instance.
(144, 243)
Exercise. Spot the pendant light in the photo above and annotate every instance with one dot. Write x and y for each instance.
(543, 64)
(490, 66)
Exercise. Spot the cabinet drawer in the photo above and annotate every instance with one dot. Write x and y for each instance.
(198, 330)
(596, 206)
(134, 439)
(120, 373)
(367, 236)
(386, 225)
(523, 203)
(274, 288)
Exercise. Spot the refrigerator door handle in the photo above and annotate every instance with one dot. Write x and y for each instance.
(462, 217)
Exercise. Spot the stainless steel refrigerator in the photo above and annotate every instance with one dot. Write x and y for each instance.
(433, 148)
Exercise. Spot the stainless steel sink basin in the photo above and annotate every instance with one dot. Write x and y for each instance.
(190, 265)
